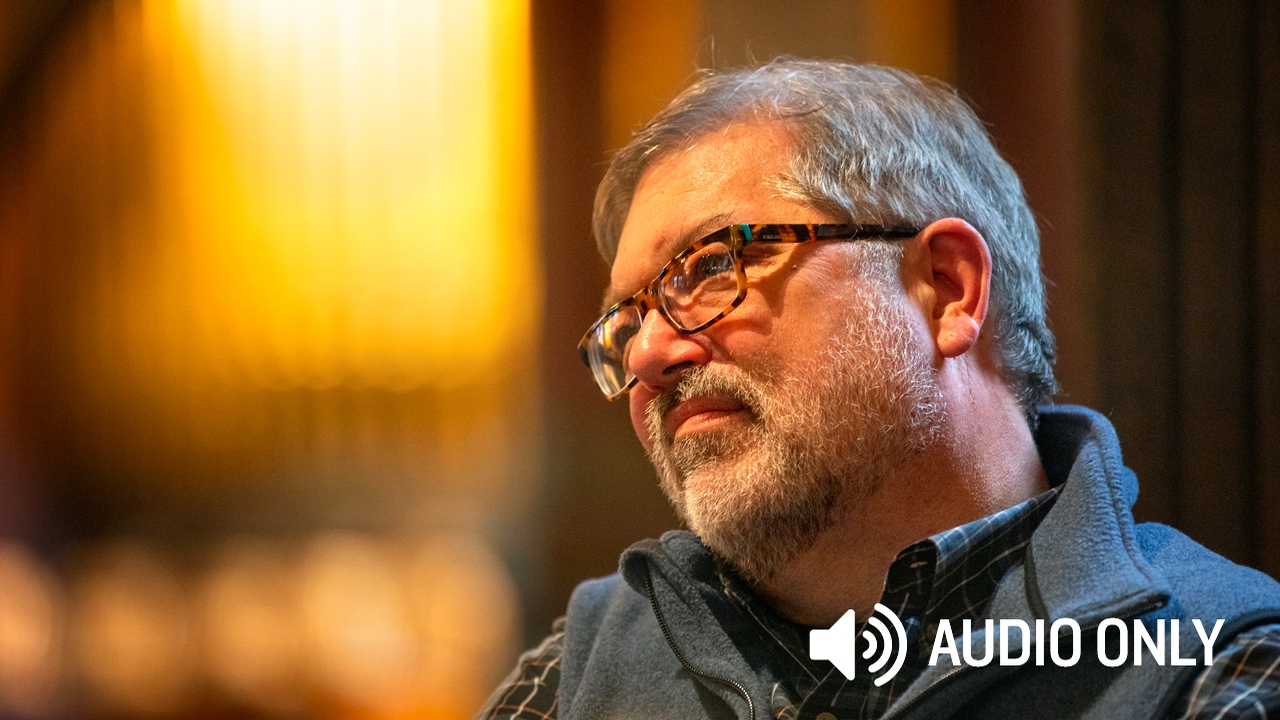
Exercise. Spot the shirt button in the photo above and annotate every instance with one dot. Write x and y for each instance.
(825, 716)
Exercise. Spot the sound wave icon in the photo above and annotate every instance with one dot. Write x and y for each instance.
(838, 644)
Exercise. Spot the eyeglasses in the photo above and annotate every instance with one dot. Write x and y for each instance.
(701, 285)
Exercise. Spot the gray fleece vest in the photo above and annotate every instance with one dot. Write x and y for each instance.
(645, 643)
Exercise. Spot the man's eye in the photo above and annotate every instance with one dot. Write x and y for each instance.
(711, 265)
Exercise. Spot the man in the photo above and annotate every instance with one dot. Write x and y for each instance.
(827, 315)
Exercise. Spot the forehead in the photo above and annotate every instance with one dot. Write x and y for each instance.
(728, 176)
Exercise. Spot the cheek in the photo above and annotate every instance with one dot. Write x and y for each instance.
(638, 400)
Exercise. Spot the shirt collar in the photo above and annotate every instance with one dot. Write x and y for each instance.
(952, 574)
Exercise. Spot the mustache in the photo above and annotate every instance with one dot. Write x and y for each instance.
(718, 380)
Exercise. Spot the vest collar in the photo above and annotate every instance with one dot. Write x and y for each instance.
(1083, 561)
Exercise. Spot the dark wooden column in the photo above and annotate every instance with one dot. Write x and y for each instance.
(601, 492)
(1016, 63)
(1179, 120)
(1266, 315)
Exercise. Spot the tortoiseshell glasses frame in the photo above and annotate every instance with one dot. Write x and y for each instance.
(698, 287)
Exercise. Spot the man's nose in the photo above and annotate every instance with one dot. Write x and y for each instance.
(659, 352)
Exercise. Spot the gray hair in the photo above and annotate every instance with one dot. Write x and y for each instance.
(874, 145)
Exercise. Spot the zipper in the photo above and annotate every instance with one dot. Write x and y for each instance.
(671, 642)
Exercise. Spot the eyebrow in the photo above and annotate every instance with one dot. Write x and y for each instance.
(671, 249)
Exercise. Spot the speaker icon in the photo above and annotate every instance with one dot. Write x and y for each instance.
(838, 644)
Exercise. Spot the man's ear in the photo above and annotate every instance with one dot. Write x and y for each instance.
(953, 265)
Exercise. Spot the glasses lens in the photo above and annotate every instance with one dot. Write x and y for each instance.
(700, 286)
(608, 344)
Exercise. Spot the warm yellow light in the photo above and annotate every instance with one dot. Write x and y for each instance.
(358, 623)
(351, 186)
(468, 616)
(408, 632)
(253, 639)
(30, 633)
(133, 633)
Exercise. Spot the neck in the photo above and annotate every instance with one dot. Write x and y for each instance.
(986, 462)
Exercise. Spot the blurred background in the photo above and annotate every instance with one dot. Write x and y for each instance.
(292, 423)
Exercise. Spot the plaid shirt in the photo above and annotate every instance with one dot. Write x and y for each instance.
(951, 575)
